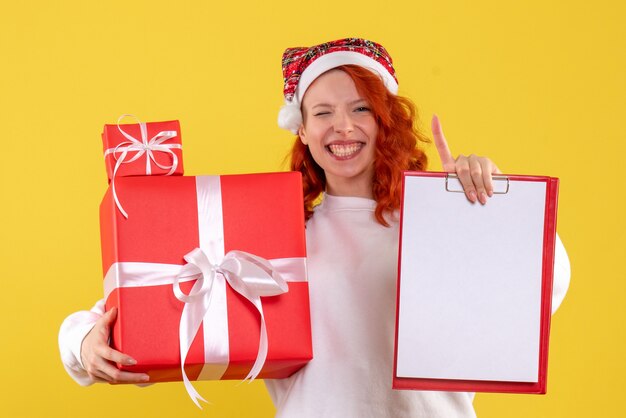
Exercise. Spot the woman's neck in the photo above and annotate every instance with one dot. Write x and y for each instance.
(349, 187)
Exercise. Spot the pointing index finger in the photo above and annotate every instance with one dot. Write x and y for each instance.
(447, 161)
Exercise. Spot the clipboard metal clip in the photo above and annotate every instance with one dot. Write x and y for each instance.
(454, 185)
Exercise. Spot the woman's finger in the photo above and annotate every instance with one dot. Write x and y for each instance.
(109, 317)
(477, 168)
(103, 370)
(103, 325)
(447, 161)
(108, 353)
(114, 375)
(98, 376)
(462, 168)
(489, 169)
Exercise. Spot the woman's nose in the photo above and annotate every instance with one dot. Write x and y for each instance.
(342, 122)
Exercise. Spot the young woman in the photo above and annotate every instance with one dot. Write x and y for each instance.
(354, 137)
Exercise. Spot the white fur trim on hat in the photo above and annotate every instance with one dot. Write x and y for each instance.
(290, 116)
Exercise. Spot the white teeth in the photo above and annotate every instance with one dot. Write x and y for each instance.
(345, 150)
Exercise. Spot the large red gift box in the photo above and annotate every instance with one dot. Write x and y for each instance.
(140, 149)
(261, 214)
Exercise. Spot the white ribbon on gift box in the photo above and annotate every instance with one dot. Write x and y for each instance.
(248, 274)
(143, 146)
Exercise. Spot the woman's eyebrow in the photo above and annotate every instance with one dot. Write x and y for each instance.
(321, 105)
(350, 103)
(357, 101)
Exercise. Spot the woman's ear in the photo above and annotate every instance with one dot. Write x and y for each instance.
(302, 134)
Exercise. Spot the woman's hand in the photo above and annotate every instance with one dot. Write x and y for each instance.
(98, 357)
(474, 172)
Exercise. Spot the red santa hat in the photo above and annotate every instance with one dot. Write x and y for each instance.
(302, 65)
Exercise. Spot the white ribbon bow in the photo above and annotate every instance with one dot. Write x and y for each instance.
(143, 146)
(249, 275)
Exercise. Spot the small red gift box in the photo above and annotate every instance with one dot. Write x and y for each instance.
(141, 149)
(258, 215)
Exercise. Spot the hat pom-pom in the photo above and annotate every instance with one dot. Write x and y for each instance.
(290, 117)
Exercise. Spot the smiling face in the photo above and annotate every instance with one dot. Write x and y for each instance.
(340, 130)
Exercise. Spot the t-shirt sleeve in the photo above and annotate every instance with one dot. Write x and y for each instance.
(561, 274)
(73, 330)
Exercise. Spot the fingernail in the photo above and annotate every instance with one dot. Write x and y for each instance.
(490, 193)
(472, 196)
(483, 197)
(145, 378)
(131, 361)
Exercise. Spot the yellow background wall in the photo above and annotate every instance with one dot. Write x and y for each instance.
(539, 86)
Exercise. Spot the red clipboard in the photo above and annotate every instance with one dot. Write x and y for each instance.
(475, 285)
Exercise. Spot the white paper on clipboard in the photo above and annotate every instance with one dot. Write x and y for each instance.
(470, 287)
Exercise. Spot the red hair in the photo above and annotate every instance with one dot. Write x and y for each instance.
(396, 146)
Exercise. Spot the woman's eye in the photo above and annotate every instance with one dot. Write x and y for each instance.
(321, 113)
(362, 109)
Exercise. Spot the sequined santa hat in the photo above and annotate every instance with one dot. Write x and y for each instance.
(302, 65)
